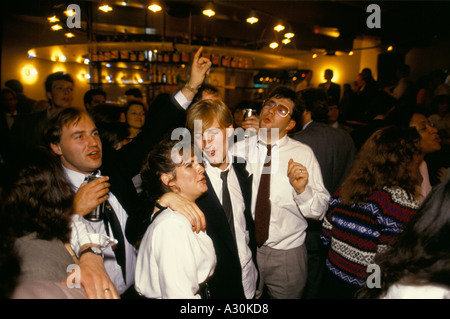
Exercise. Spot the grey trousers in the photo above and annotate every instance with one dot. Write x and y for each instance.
(283, 272)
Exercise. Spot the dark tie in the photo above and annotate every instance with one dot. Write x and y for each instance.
(226, 202)
(262, 209)
(110, 219)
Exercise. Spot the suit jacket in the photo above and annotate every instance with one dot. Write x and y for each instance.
(334, 150)
(226, 281)
(123, 165)
(333, 92)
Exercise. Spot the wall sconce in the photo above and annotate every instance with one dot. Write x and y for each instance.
(209, 10)
(252, 18)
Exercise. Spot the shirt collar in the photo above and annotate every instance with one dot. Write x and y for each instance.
(306, 125)
(76, 178)
(282, 141)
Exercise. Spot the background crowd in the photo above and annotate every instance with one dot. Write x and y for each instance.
(353, 177)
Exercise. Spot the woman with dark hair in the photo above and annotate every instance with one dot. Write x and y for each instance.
(174, 262)
(38, 204)
(135, 118)
(370, 209)
(417, 265)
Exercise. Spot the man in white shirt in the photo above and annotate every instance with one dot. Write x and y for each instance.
(73, 136)
(211, 124)
(296, 192)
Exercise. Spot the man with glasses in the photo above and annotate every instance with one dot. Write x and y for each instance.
(28, 129)
(295, 191)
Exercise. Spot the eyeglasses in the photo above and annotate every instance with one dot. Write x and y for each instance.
(282, 110)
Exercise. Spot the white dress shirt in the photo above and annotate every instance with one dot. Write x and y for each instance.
(288, 209)
(173, 260)
(82, 235)
(249, 272)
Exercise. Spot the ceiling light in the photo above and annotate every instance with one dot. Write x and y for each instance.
(56, 27)
(350, 53)
(252, 18)
(273, 45)
(279, 27)
(69, 13)
(53, 19)
(390, 48)
(70, 35)
(154, 6)
(286, 41)
(314, 55)
(289, 35)
(105, 8)
(209, 10)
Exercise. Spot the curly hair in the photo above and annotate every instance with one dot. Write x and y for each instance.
(420, 254)
(385, 159)
(39, 198)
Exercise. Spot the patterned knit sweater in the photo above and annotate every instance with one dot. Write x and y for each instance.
(356, 233)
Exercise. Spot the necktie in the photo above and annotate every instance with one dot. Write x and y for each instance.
(262, 208)
(119, 249)
(226, 202)
(110, 219)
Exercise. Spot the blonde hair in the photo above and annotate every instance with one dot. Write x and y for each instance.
(206, 111)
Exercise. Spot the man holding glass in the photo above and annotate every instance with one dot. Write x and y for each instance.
(287, 188)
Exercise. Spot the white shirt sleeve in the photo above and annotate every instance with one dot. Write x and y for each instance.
(83, 233)
(182, 100)
(313, 202)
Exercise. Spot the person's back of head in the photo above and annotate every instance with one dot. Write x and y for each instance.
(385, 160)
(134, 92)
(39, 198)
(88, 96)
(107, 113)
(14, 85)
(206, 91)
(316, 101)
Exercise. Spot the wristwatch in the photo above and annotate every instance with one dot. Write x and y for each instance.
(95, 250)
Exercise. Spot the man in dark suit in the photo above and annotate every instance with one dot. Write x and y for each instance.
(28, 129)
(227, 204)
(334, 150)
(332, 89)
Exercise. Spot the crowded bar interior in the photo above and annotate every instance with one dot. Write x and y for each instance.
(357, 92)
(116, 49)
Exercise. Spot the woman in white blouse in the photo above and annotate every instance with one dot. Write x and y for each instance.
(174, 262)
